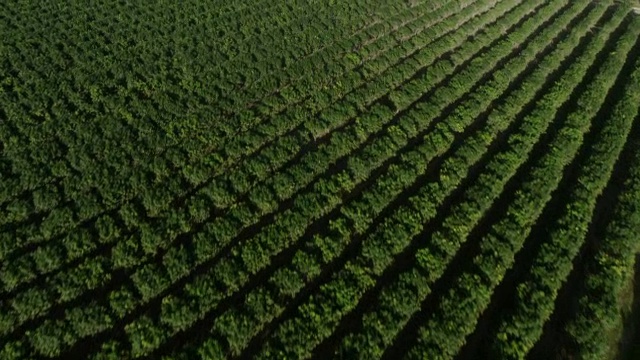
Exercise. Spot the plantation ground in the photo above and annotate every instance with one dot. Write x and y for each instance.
(451, 179)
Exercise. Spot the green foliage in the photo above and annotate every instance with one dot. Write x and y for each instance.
(292, 179)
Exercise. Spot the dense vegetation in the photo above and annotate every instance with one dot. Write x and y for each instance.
(451, 179)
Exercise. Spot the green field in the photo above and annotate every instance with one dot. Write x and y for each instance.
(289, 179)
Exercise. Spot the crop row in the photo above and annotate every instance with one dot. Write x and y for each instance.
(49, 199)
(142, 274)
(537, 292)
(402, 297)
(110, 231)
(612, 264)
(611, 268)
(453, 318)
(348, 229)
(161, 194)
(137, 116)
(107, 230)
(254, 253)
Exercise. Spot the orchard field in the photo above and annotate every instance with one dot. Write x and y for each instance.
(289, 179)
